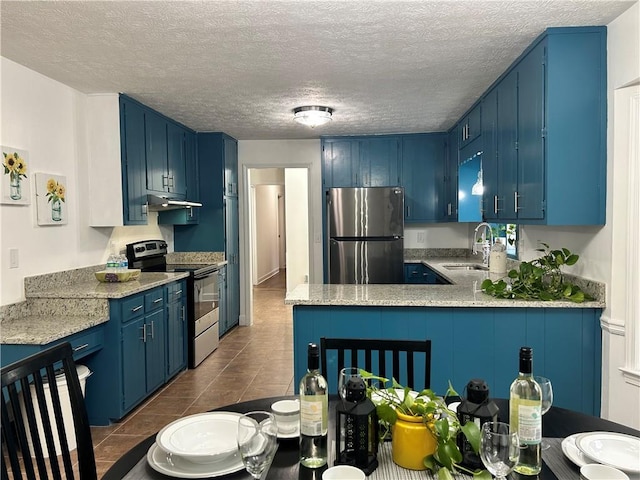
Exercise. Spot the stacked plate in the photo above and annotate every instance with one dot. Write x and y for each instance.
(197, 446)
(613, 449)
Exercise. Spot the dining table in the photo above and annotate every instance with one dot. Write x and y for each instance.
(558, 423)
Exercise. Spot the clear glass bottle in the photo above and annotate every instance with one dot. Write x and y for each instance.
(112, 260)
(525, 415)
(314, 413)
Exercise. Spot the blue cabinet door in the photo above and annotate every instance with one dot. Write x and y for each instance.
(490, 192)
(379, 159)
(340, 162)
(233, 266)
(423, 177)
(134, 184)
(176, 327)
(230, 166)
(156, 153)
(506, 141)
(449, 208)
(223, 314)
(469, 127)
(155, 349)
(176, 161)
(134, 382)
(530, 188)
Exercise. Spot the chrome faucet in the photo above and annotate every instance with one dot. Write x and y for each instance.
(483, 243)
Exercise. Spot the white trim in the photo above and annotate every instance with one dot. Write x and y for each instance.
(632, 307)
(632, 377)
(612, 327)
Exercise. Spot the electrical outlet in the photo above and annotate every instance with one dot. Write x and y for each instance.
(14, 258)
(421, 238)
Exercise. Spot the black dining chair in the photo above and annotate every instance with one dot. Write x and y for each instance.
(34, 406)
(384, 358)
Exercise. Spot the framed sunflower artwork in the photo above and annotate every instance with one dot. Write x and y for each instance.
(14, 187)
(51, 199)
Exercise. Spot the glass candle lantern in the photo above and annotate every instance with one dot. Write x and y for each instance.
(357, 428)
(477, 408)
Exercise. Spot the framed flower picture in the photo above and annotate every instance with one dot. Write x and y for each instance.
(14, 187)
(51, 199)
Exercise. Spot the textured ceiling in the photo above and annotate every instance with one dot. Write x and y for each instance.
(242, 66)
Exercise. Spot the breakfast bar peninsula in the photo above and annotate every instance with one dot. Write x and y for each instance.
(473, 335)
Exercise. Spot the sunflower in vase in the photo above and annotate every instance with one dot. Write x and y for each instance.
(16, 168)
(55, 195)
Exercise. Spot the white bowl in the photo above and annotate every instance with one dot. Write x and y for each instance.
(343, 472)
(596, 471)
(202, 438)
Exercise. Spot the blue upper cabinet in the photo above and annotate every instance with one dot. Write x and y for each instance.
(176, 161)
(132, 150)
(449, 205)
(361, 161)
(379, 158)
(186, 216)
(549, 136)
(423, 177)
(469, 128)
(156, 153)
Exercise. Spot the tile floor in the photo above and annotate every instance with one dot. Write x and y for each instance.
(235, 372)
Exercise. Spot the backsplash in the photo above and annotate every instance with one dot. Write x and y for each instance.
(195, 257)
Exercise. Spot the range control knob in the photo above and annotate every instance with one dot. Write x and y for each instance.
(139, 249)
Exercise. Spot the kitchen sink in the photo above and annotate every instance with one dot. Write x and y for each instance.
(466, 266)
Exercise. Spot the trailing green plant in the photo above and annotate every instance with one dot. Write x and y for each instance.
(441, 422)
(539, 279)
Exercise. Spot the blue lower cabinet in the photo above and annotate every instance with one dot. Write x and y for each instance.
(144, 345)
(475, 343)
(421, 274)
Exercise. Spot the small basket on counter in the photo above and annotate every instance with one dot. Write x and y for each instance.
(114, 277)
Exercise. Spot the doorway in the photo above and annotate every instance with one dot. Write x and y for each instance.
(278, 226)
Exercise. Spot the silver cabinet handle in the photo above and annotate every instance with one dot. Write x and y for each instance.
(182, 315)
(135, 309)
(179, 292)
(165, 181)
(449, 208)
(80, 347)
(408, 211)
(157, 300)
(152, 330)
(495, 204)
(515, 201)
(144, 333)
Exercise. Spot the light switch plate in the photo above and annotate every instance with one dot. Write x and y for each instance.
(420, 238)
(14, 259)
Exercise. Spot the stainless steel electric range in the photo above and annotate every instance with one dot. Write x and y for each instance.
(203, 295)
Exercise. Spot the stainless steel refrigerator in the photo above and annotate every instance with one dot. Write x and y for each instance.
(366, 235)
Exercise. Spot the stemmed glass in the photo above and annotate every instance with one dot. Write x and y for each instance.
(345, 375)
(547, 400)
(257, 441)
(499, 448)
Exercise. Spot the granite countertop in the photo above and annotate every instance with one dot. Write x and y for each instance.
(41, 330)
(89, 288)
(465, 292)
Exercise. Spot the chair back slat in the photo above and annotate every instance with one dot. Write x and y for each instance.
(34, 412)
(395, 356)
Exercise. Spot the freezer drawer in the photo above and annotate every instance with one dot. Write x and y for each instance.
(366, 261)
(205, 344)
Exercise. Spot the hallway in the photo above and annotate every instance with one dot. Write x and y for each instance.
(235, 372)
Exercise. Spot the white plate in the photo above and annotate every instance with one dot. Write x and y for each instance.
(178, 467)
(572, 452)
(613, 449)
(294, 434)
(201, 438)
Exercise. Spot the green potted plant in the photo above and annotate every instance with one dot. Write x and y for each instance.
(539, 279)
(422, 425)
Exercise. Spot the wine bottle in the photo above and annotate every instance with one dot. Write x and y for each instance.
(314, 413)
(525, 415)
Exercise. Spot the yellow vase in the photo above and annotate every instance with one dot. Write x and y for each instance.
(411, 441)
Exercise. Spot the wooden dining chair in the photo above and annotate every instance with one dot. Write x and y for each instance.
(34, 434)
(385, 358)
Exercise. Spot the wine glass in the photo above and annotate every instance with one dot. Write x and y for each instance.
(257, 441)
(345, 375)
(499, 448)
(547, 399)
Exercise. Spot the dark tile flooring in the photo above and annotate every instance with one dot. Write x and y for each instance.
(235, 372)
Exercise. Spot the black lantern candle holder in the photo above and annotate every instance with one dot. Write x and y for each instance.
(477, 408)
(357, 428)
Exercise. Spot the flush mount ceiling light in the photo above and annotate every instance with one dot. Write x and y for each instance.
(312, 115)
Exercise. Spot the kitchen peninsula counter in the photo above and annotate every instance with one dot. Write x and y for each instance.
(473, 335)
(465, 292)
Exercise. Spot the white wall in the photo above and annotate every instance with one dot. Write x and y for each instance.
(443, 235)
(297, 238)
(48, 119)
(266, 245)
